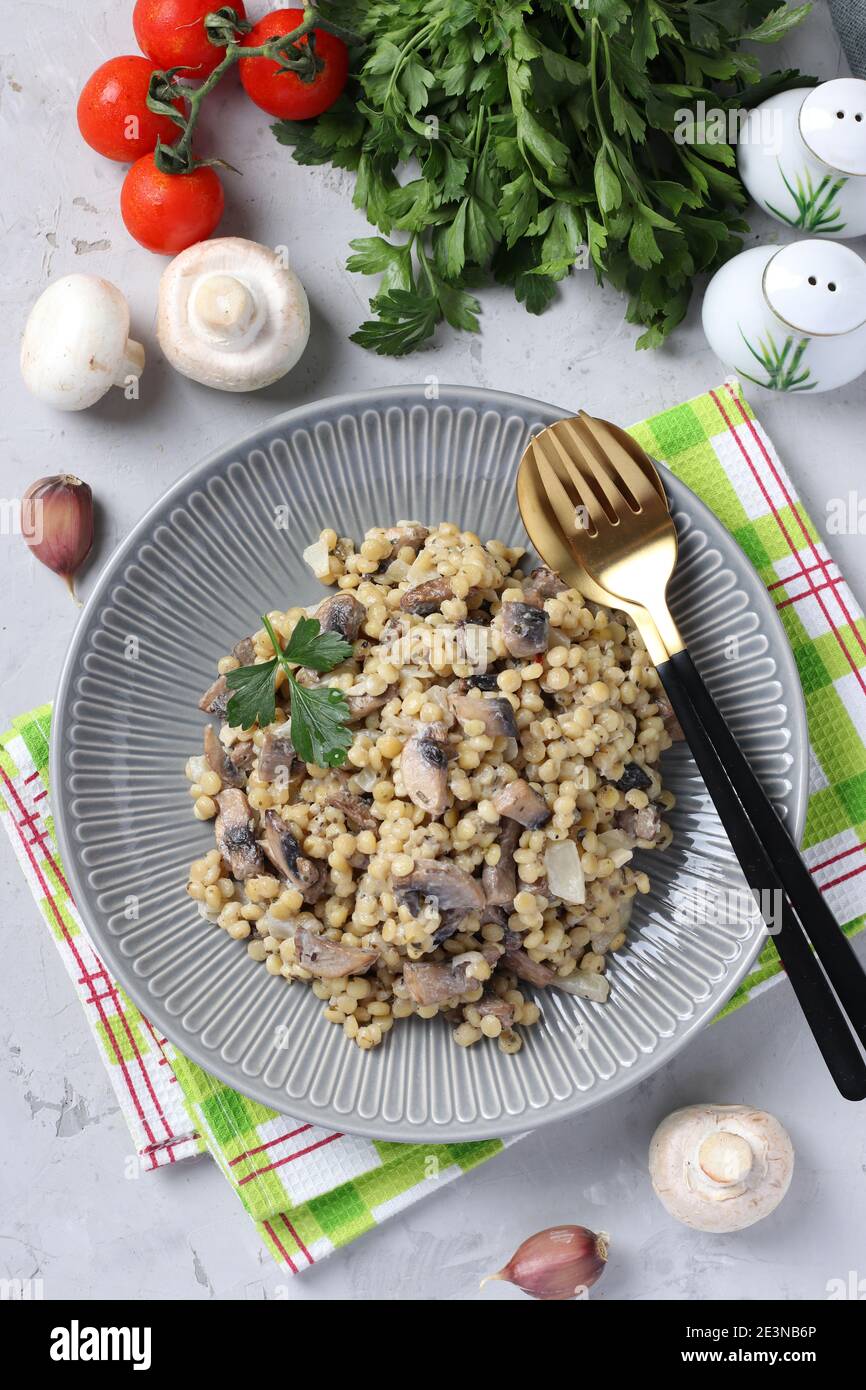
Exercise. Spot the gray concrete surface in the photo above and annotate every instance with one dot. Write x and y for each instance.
(68, 1212)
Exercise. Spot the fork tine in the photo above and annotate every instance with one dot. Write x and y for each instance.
(575, 482)
(567, 451)
(577, 457)
(616, 435)
(619, 464)
(563, 505)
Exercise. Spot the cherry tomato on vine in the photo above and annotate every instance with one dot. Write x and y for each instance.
(282, 93)
(172, 33)
(169, 212)
(112, 111)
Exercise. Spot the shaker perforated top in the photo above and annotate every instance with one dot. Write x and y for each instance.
(817, 287)
(833, 124)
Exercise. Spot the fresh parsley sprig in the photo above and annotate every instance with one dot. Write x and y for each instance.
(517, 140)
(319, 714)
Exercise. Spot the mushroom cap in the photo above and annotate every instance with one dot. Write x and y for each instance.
(720, 1167)
(231, 316)
(74, 343)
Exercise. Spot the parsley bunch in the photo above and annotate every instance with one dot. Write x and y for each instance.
(535, 135)
(319, 713)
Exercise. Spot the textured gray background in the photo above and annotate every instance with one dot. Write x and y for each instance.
(68, 1212)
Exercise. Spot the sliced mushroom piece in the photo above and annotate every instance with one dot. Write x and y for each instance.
(497, 715)
(435, 982)
(645, 824)
(331, 960)
(284, 852)
(362, 705)
(410, 533)
(493, 1004)
(671, 723)
(427, 598)
(634, 778)
(215, 699)
(277, 757)
(449, 924)
(500, 879)
(525, 629)
(483, 680)
(525, 968)
(242, 754)
(244, 652)
(452, 888)
(493, 915)
(521, 802)
(219, 761)
(355, 809)
(541, 584)
(235, 835)
(424, 767)
(343, 614)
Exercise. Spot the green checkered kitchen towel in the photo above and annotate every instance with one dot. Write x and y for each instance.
(310, 1190)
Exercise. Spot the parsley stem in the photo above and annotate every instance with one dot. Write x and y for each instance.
(275, 641)
(572, 19)
(426, 31)
(593, 80)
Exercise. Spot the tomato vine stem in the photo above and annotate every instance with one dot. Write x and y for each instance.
(178, 158)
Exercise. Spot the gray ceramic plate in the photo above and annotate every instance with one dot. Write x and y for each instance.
(190, 580)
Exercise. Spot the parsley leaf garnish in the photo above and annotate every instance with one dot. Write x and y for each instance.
(319, 731)
(524, 139)
(309, 646)
(319, 714)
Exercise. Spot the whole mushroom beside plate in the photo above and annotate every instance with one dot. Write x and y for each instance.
(76, 343)
(720, 1167)
(231, 315)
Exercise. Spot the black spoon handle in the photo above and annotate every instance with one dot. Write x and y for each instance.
(832, 946)
(820, 1007)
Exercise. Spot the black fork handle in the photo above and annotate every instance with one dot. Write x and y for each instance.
(832, 946)
(821, 1009)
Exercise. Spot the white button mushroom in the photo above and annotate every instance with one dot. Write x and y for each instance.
(76, 343)
(720, 1167)
(231, 315)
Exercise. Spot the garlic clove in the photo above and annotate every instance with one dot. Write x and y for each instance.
(57, 523)
(559, 1263)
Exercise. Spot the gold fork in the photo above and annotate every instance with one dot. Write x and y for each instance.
(596, 511)
(617, 561)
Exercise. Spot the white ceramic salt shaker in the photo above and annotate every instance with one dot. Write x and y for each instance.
(790, 318)
(802, 156)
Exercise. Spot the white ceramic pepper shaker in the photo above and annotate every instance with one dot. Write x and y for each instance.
(790, 318)
(802, 156)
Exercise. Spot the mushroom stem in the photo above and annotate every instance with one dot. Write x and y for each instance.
(726, 1158)
(132, 363)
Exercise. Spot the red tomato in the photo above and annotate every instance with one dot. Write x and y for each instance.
(172, 33)
(113, 115)
(169, 212)
(282, 93)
